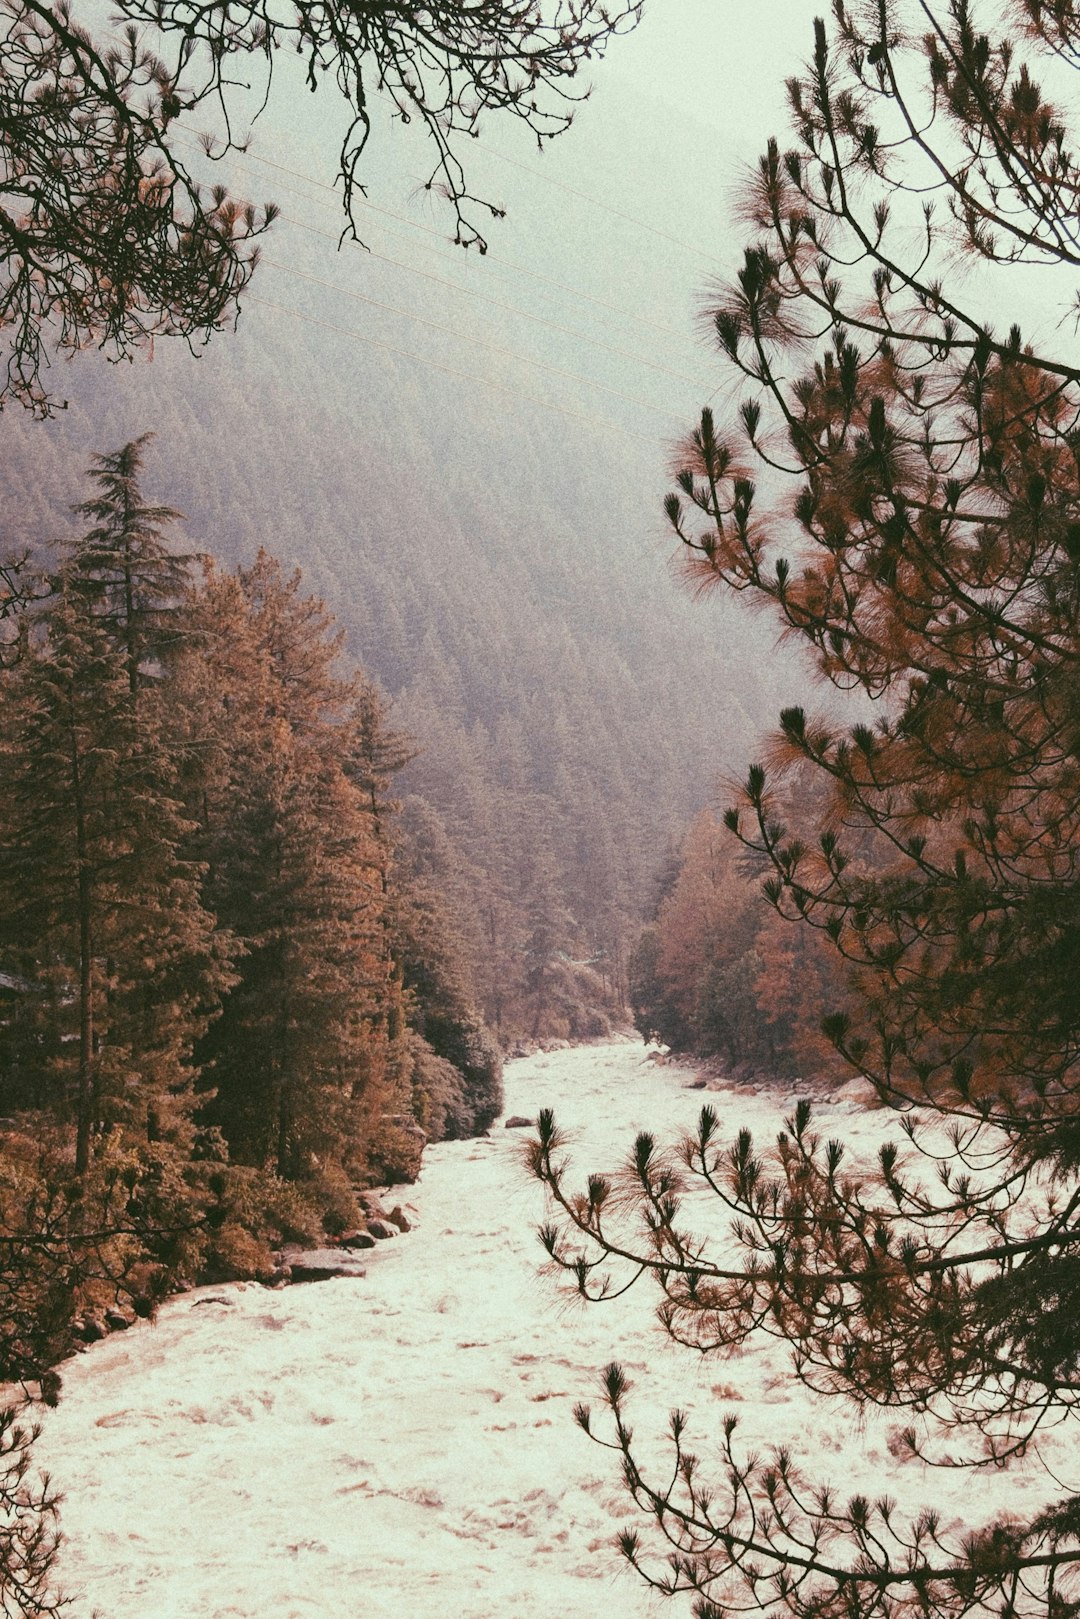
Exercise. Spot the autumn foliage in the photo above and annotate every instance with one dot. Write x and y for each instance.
(719, 974)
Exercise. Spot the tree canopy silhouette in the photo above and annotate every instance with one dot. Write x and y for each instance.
(916, 523)
(108, 233)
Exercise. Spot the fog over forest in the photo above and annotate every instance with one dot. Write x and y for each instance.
(560, 720)
(466, 456)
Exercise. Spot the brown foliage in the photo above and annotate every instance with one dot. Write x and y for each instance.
(924, 547)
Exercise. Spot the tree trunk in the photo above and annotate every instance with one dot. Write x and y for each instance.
(86, 1083)
(86, 1026)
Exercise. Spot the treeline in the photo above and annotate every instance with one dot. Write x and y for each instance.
(719, 972)
(570, 707)
(229, 996)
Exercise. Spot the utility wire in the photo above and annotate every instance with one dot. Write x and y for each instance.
(238, 155)
(539, 174)
(497, 303)
(597, 202)
(509, 309)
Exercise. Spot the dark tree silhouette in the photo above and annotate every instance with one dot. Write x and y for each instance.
(926, 555)
(108, 234)
(124, 570)
(28, 1524)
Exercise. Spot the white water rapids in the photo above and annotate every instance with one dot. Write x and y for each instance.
(402, 1446)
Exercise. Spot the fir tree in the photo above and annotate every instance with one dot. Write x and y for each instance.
(132, 580)
(102, 911)
(298, 1058)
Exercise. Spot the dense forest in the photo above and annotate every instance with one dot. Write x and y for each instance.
(378, 739)
(494, 548)
(562, 732)
(232, 995)
(718, 973)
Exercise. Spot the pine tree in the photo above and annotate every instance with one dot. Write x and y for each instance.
(298, 1057)
(28, 1525)
(374, 755)
(477, 822)
(442, 1002)
(927, 554)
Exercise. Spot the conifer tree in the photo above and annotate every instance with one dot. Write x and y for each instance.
(720, 974)
(298, 1058)
(924, 545)
(102, 907)
(132, 580)
(374, 756)
(28, 1525)
(478, 838)
(442, 1001)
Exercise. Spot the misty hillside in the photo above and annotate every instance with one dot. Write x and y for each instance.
(466, 457)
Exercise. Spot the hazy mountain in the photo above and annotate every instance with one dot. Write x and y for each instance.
(466, 456)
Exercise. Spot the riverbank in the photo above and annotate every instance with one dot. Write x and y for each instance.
(402, 1446)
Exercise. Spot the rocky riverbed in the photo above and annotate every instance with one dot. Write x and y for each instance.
(401, 1445)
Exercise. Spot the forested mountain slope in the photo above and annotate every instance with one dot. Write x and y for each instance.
(486, 529)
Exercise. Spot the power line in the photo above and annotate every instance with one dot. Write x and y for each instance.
(238, 155)
(496, 303)
(510, 309)
(597, 202)
(514, 163)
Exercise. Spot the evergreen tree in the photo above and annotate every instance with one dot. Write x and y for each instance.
(102, 905)
(298, 1059)
(28, 1525)
(476, 832)
(132, 580)
(719, 974)
(928, 555)
(375, 755)
(442, 1008)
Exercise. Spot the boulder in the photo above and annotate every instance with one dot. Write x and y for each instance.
(398, 1217)
(402, 1150)
(356, 1239)
(89, 1329)
(517, 1122)
(859, 1091)
(406, 1122)
(322, 1264)
(372, 1204)
(382, 1229)
(116, 1320)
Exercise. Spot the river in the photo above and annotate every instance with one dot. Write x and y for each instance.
(402, 1446)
